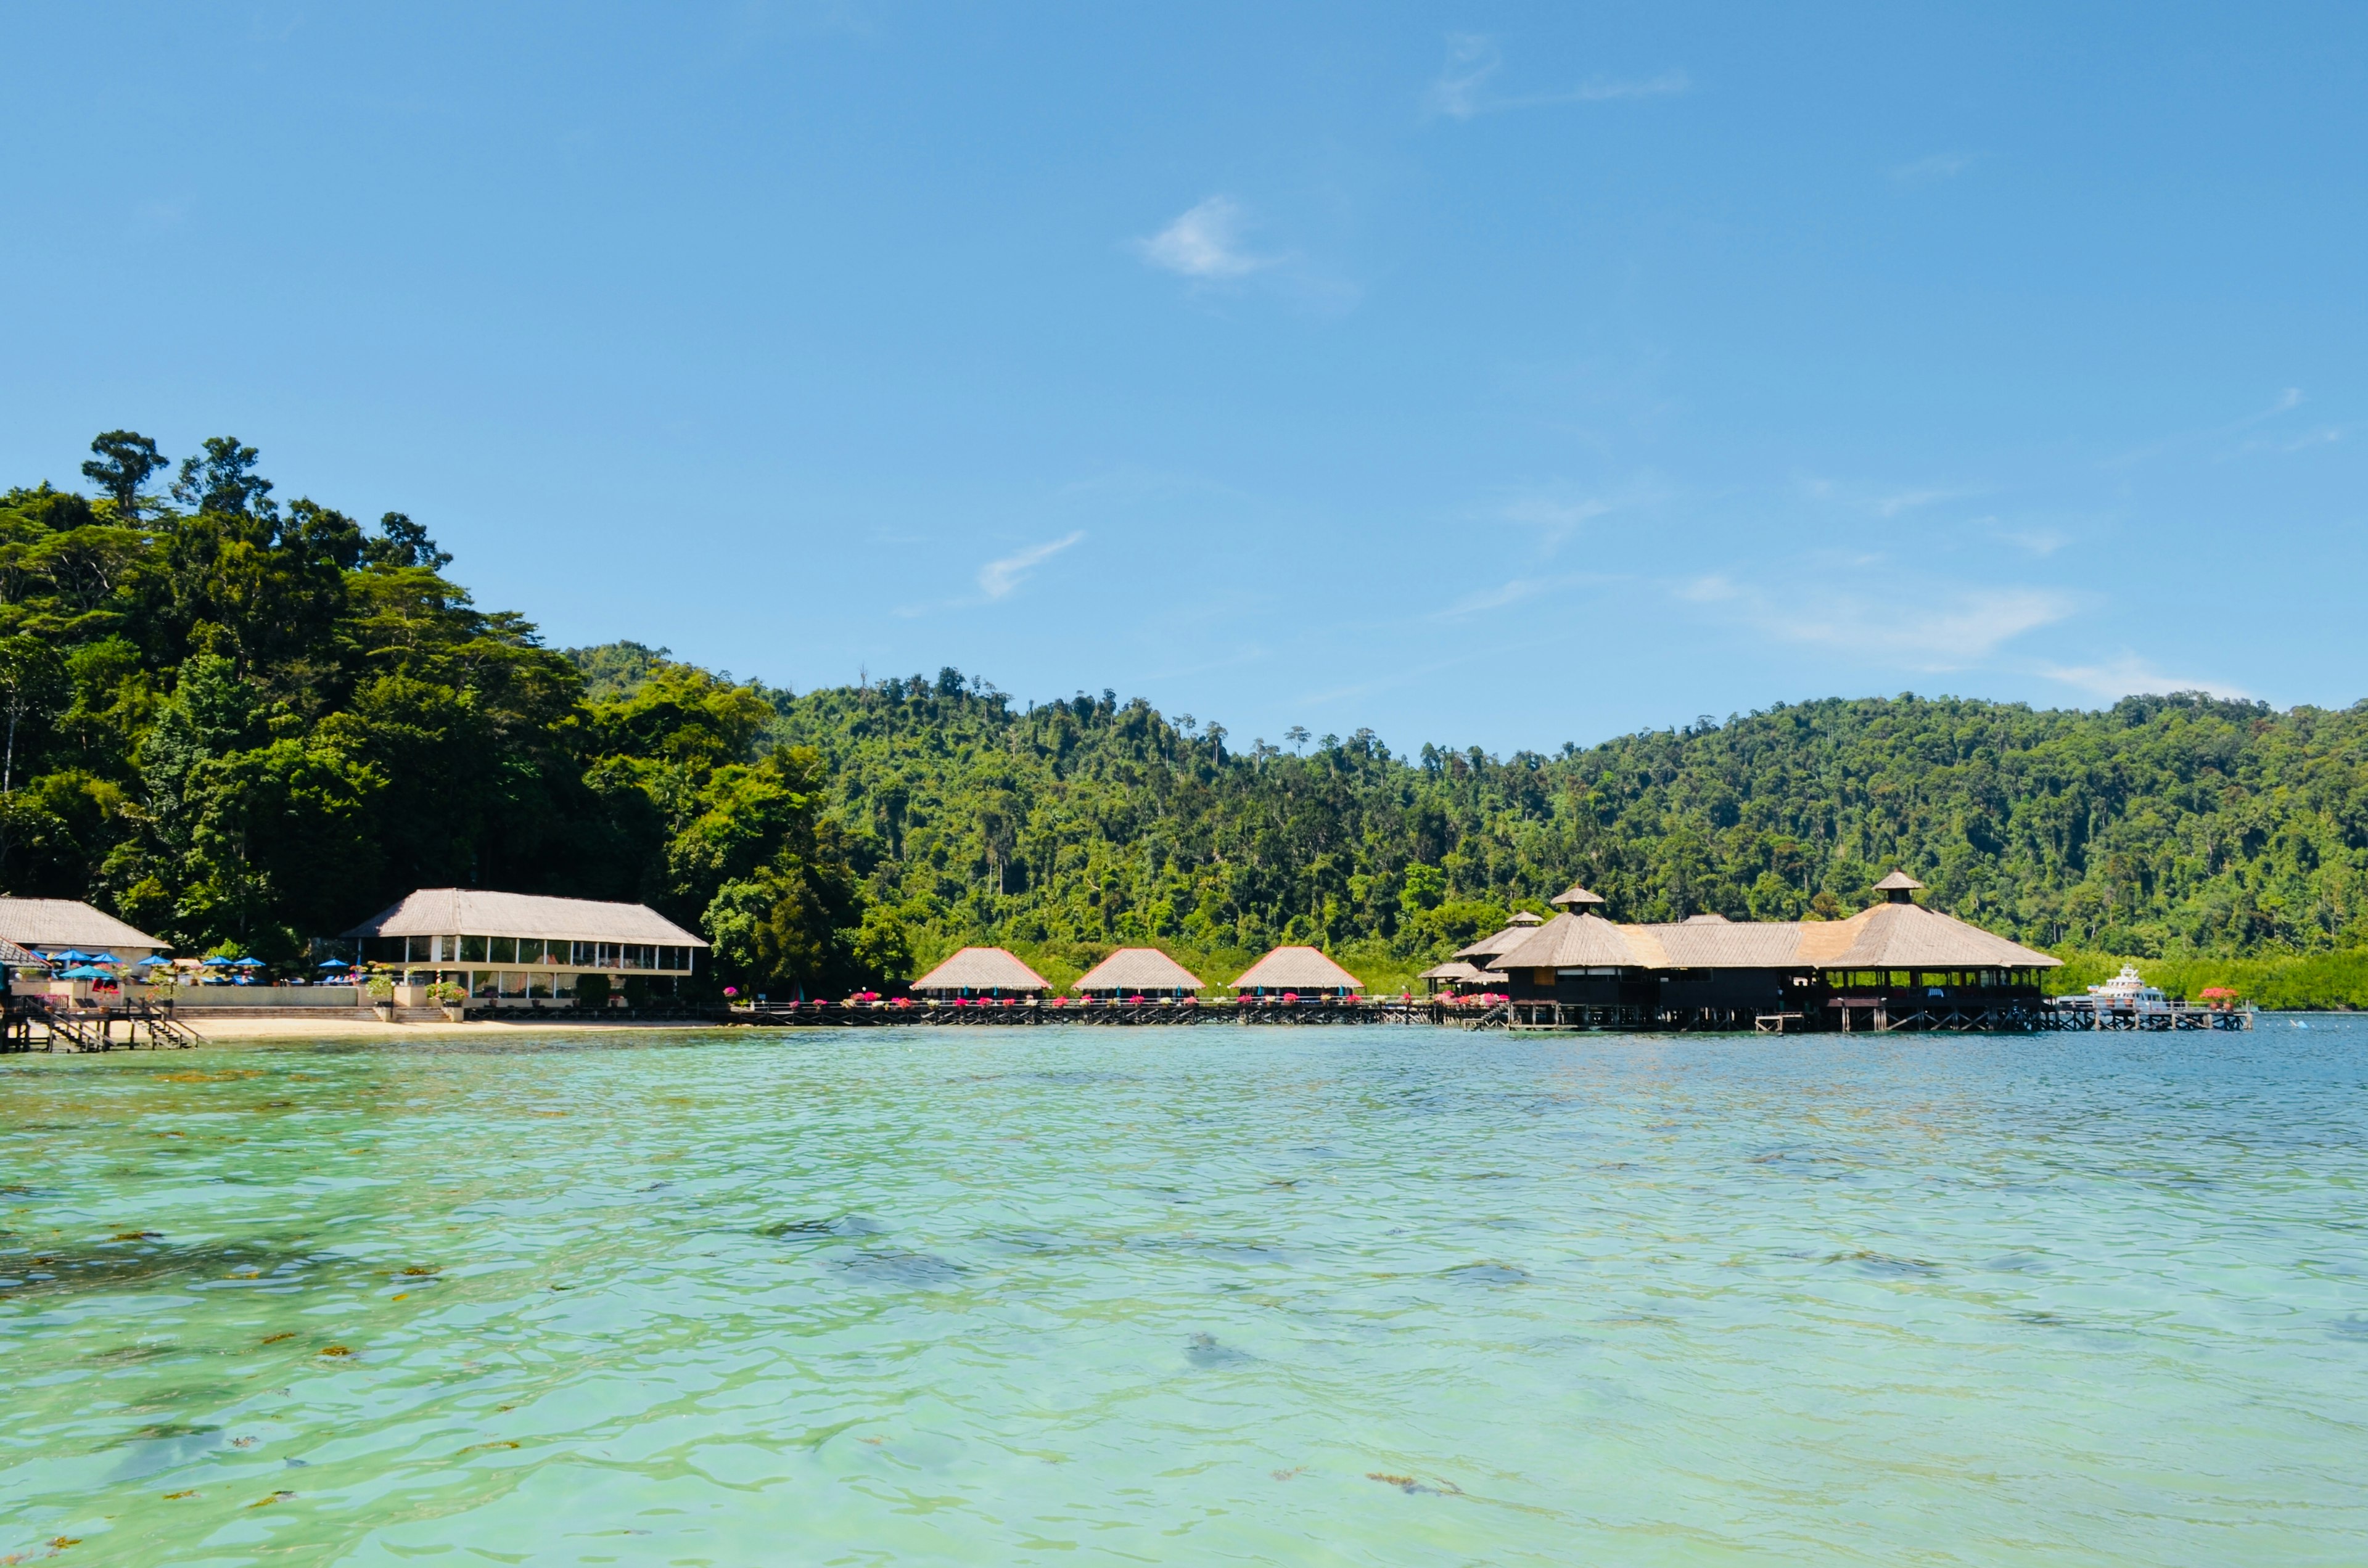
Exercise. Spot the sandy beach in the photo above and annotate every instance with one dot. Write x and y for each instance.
(346, 1027)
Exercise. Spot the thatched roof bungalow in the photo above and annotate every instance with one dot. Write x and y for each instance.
(982, 972)
(1138, 971)
(58, 924)
(1301, 969)
(1517, 930)
(1457, 975)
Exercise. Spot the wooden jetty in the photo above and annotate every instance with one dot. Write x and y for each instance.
(55, 1023)
(1880, 1015)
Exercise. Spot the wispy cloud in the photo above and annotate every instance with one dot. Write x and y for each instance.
(1927, 170)
(1909, 500)
(1205, 243)
(1505, 594)
(997, 578)
(1463, 89)
(1930, 630)
(2041, 543)
(2285, 403)
(1879, 501)
(1553, 518)
(2130, 676)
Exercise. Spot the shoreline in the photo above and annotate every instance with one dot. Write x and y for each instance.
(348, 1027)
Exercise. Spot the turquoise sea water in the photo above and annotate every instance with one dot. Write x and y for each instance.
(1355, 1296)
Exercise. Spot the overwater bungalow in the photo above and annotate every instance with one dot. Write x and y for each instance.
(1887, 959)
(1302, 971)
(516, 949)
(982, 972)
(1457, 976)
(1138, 971)
(1472, 966)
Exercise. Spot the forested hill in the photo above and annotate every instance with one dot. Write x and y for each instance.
(2167, 825)
(243, 724)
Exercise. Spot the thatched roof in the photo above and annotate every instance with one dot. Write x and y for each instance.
(1716, 944)
(63, 923)
(14, 957)
(1138, 969)
(1454, 968)
(1297, 969)
(470, 911)
(1516, 932)
(981, 969)
(1887, 935)
(1576, 897)
(1899, 879)
(1907, 936)
(1573, 941)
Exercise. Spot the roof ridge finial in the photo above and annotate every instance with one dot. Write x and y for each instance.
(1898, 887)
(1576, 899)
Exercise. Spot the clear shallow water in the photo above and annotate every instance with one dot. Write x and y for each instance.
(1356, 1296)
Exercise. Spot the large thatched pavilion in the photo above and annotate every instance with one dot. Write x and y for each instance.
(1884, 957)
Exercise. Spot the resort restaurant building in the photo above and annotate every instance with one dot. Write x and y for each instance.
(981, 972)
(519, 948)
(1138, 971)
(1890, 956)
(56, 924)
(1297, 971)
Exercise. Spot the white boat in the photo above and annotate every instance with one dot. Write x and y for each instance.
(2128, 992)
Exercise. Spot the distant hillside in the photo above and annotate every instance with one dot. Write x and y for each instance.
(2164, 825)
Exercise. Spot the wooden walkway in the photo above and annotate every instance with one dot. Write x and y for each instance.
(1023, 1014)
(42, 1023)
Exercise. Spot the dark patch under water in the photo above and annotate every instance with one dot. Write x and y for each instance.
(1885, 1264)
(914, 1268)
(1489, 1274)
(812, 1230)
(131, 1265)
(1205, 1351)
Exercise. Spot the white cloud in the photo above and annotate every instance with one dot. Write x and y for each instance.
(1204, 243)
(1472, 59)
(997, 578)
(2041, 543)
(1712, 589)
(1929, 630)
(1908, 500)
(1512, 593)
(2284, 402)
(2130, 676)
(1555, 519)
(1461, 90)
(1939, 166)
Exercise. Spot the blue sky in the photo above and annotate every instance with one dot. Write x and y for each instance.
(1485, 374)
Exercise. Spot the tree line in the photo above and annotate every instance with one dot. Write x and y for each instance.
(244, 724)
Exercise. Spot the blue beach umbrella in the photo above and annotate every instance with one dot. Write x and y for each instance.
(105, 958)
(72, 955)
(86, 972)
(151, 961)
(247, 963)
(334, 963)
(217, 962)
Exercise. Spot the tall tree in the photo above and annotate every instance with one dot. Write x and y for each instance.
(32, 686)
(222, 479)
(127, 460)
